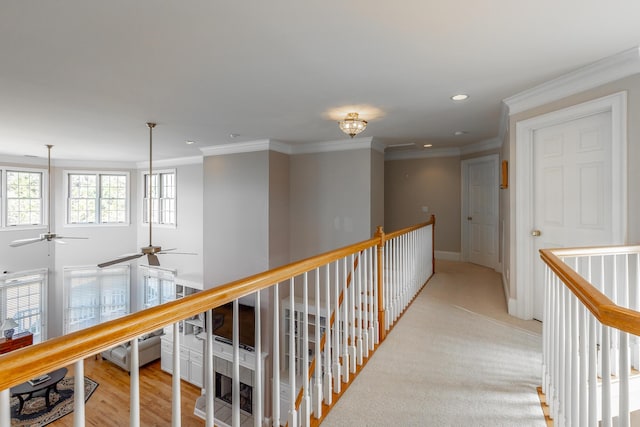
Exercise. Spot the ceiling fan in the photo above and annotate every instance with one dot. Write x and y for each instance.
(150, 251)
(48, 236)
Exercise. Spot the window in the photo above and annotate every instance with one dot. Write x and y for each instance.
(22, 298)
(162, 188)
(23, 197)
(159, 286)
(94, 295)
(97, 198)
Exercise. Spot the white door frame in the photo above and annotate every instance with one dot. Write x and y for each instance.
(465, 208)
(522, 245)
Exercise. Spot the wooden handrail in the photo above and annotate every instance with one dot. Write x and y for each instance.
(606, 311)
(28, 362)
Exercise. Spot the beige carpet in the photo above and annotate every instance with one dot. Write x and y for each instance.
(456, 358)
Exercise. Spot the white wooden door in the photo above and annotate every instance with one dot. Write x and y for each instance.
(482, 211)
(573, 182)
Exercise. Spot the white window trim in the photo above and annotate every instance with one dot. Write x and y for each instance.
(65, 289)
(142, 201)
(156, 273)
(6, 277)
(3, 199)
(127, 221)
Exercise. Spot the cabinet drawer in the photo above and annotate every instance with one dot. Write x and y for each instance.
(196, 357)
(184, 353)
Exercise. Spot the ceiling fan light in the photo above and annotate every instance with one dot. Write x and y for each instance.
(352, 124)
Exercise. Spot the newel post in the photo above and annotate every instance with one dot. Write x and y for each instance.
(381, 308)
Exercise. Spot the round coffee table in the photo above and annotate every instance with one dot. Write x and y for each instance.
(31, 391)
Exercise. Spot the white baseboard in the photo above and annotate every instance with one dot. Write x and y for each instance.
(448, 256)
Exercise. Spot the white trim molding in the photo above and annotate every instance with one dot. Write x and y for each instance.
(448, 256)
(606, 70)
(522, 205)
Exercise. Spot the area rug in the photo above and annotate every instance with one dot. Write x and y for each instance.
(35, 412)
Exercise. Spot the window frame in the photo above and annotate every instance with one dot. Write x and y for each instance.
(148, 273)
(10, 280)
(145, 202)
(100, 275)
(4, 205)
(98, 219)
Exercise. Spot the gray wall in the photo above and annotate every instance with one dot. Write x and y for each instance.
(278, 209)
(330, 201)
(433, 182)
(236, 216)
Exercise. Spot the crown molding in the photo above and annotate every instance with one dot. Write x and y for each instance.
(606, 70)
(179, 161)
(330, 146)
(422, 154)
(487, 144)
(247, 147)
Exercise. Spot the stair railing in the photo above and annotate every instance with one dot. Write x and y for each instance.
(389, 271)
(591, 328)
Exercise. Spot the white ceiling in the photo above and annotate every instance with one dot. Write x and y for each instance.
(86, 75)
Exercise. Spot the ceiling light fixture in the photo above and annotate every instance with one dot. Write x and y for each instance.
(428, 145)
(189, 142)
(460, 97)
(460, 132)
(352, 124)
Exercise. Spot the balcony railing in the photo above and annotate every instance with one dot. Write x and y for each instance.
(591, 329)
(360, 291)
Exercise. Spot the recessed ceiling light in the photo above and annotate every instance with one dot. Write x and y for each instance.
(460, 132)
(234, 135)
(428, 145)
(460, 97)
(189, 142)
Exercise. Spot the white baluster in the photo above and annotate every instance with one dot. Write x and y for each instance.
(5, 408)
(134, 384)
(624, 419)
(583, 384)
(275, 400)
(366, 294)
(605, 351)
(78, 398)
(175, 379)
(345, 327)
(358, 311)
(293, 391)
(235, 378)
(328, 378)
(374, 296)
(337, 375)
(593, 373)
(575, 364)
(258, 399)
(352, 315)
(372, 299)
(209, 384)
(305, 404)
(317, 372)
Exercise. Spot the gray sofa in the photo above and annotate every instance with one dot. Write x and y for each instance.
(148, 350)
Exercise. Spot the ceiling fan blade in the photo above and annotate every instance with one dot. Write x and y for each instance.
(119, 260)
(70, 237)
(22, 242)
(176, 253)
(153, 260)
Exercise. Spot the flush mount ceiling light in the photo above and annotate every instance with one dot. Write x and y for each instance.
(460, 97)
(428, 145)
(189, 142)
(352, 124)
(460, 132)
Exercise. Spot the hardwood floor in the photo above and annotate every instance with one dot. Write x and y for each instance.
(109, 404)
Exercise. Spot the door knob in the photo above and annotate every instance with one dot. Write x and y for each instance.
(469, 218)
(536, 233)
